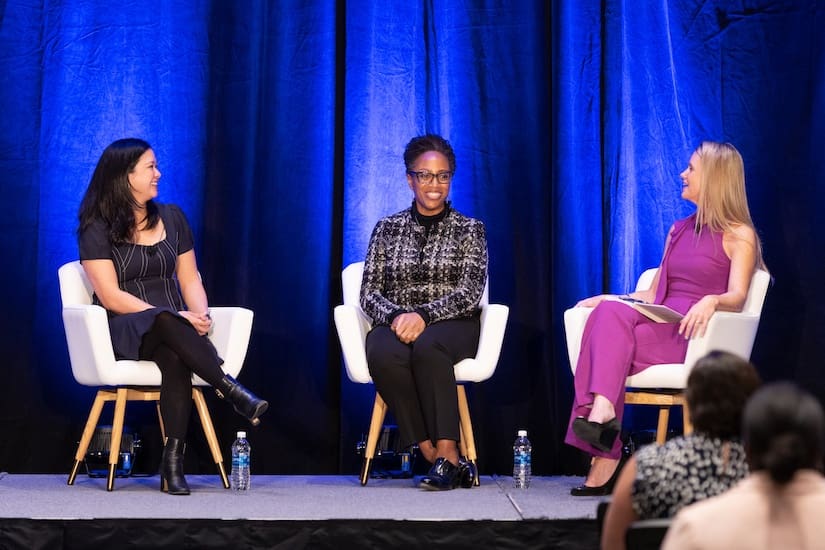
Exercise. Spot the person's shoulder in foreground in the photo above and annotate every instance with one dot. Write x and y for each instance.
(780, 504)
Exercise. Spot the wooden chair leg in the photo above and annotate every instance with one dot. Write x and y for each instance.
(209, 432)
(160, 422)
(88, 432)
(661, 429)
(121, 396)
(462, 441)
(379, 411)
(468, 443)
(117, 434)
(688, 425)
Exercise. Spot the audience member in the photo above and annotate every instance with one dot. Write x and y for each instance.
(780, 504)
(660, 480)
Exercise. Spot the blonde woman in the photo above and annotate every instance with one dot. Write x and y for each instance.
(707, 265)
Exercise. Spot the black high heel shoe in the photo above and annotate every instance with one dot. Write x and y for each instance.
(443, 476)
(601, 490)
(600, 435)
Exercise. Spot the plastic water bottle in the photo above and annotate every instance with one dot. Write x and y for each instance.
(239, 477)
(522, 457)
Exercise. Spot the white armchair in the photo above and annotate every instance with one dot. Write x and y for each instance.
(353, 325)
(94, 364)
(663, 385)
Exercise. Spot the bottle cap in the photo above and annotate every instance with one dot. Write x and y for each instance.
(241, 435)
(522, 433)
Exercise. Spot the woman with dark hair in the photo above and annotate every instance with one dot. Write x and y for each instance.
(139, 256)
(658, 481)
(424, 275)
(707, 265)
(780, 504)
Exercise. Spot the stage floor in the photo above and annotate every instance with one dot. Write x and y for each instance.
(38, 496)
(39, 511)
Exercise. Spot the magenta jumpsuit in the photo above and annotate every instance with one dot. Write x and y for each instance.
(618, 341)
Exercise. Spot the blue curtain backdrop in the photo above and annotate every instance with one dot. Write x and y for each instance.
(280, 127)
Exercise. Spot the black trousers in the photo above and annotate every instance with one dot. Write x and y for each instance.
(417, 380)
(179, 351)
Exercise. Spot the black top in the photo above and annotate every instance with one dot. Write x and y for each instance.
(147, 272)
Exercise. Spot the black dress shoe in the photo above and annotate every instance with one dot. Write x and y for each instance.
(468, 473)
(443, 476)
(601, 490)
(601, 436)
(587, 491)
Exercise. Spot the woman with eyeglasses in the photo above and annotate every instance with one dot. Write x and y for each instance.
(425, 272)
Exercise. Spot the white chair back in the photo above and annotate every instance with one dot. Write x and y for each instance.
(756, 293)
(75, 287)
(646, 278)
(351, 283)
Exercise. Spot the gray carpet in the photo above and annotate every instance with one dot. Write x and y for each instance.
(46, 496)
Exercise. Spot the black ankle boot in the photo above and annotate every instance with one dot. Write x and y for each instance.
(245, 402)
(171, 468)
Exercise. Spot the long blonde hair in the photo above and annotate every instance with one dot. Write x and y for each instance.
(723, 203)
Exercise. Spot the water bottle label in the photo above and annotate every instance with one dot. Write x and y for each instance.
(522, 458)
(241, 460)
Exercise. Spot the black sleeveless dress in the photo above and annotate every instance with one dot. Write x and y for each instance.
(147, 272)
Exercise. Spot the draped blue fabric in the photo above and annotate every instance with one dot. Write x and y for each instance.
(280, 127)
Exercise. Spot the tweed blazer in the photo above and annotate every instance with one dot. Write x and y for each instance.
(440, 273)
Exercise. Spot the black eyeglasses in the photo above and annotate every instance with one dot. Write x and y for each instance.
(426, 177)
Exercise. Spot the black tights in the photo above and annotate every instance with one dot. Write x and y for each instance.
(179, 351)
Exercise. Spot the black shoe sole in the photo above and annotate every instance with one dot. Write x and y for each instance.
(600, 436)
(586, 491)
(435, 486)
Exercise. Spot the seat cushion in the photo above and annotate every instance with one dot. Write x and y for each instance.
(668, 375)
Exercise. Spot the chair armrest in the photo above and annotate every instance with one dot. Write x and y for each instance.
(231, 330)
(90, 344)
(352, 326)
(491, 337)
(574, 320)
(727, 331)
